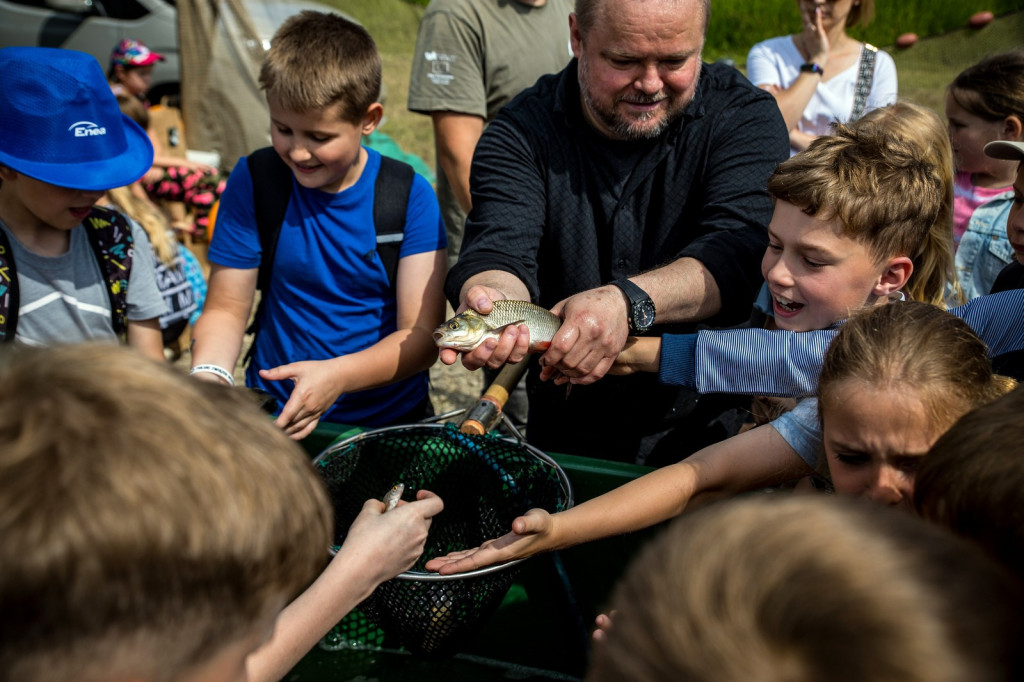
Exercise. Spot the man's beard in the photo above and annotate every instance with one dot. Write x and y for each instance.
(631, 129)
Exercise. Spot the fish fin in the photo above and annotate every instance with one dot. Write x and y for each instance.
(503, 327)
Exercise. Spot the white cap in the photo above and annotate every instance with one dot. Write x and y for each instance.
(1003, 149)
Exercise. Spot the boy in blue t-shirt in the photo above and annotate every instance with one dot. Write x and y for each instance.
(67, 273)
(336, 341)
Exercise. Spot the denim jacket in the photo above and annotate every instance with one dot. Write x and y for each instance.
(984, 248)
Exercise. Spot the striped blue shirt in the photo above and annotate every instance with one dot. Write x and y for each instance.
(783, 363)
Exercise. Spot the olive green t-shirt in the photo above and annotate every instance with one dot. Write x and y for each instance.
(474, 56)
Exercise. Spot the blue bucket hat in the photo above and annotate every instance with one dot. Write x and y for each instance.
(61, 124)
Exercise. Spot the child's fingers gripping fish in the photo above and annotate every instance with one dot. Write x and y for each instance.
(469, 329)
(393, 496)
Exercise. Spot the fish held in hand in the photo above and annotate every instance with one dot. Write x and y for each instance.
(469, 329)
(393, 496)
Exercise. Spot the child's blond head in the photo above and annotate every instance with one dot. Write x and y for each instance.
(320, 59)
(147, 519)
(934, 273)
(912, 346)
(806, 588)
(884, 192)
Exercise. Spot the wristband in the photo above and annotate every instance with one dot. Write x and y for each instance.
(812, 67)
(215, 370)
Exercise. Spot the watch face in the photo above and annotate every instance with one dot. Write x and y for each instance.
(643, 315)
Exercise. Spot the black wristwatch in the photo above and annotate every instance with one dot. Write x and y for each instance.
(812, 67)
(641, 308)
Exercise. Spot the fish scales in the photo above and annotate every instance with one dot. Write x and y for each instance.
(469, 329)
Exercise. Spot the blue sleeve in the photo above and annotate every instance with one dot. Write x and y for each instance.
(997, 319)
(676, 366)
(801, 429)
(424, 226)
(759, 361)
(236, 242)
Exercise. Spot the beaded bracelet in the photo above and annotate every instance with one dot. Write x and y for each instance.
(215, 370)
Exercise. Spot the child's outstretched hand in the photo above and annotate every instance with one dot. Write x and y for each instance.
(603, 624)
(386, 543)
(531, 534)
(314, 389)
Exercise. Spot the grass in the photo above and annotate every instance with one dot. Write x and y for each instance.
(946, 47)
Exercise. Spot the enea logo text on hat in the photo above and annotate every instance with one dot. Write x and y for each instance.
(87, 129)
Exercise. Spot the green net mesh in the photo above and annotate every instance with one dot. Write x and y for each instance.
(485, 482)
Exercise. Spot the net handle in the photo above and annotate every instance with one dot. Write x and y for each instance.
(484, 416)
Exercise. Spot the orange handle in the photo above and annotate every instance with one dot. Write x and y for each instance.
(484, 415)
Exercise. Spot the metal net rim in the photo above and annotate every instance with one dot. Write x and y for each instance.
(426, 576)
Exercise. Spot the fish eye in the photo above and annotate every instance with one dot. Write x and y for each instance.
(453, 325)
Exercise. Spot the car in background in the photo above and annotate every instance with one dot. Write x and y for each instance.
(96, 26)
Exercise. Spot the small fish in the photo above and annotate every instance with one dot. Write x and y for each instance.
(393, 496)
(469, 329)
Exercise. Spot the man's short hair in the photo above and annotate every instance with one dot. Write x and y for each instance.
(321, 59)
(588, 13)
(148, 519)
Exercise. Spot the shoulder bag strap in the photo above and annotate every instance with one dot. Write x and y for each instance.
(865, 75)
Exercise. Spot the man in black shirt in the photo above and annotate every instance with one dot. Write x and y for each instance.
(629, 189)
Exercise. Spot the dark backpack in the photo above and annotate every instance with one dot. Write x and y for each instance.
(272, 189)
(110, 237)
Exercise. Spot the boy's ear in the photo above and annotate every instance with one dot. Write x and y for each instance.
(8, 174)
(895, 275)
(371, 119)
(1012, 128)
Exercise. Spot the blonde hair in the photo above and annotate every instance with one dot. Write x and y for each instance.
(912, 346)
(141, 210)
(877, 185)
(147, 519)
(319, 59)
(801, 588)
(934, 271)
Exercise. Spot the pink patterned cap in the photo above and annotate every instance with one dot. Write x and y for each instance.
(131, 52)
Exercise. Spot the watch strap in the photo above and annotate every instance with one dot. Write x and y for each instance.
(812, 67)
(633, 292)
(636, 297)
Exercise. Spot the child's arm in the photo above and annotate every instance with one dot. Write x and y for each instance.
(145, 336)
(409, 349)
(641, 354)
(217, 337)
(759, 457)
(378, 547)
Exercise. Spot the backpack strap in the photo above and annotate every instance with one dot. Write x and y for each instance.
(390, 204)
(9, 301)
(865, 75)
(271, 192)
(110, 237)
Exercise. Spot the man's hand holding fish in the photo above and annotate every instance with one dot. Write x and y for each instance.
(511, 345)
